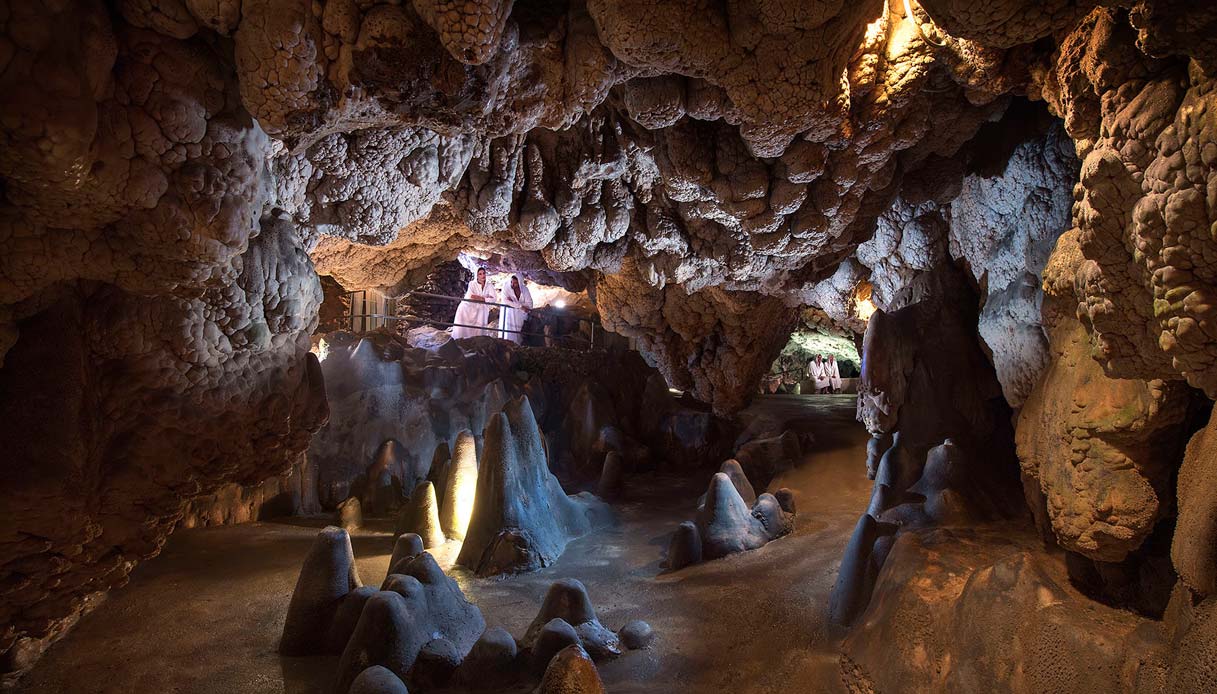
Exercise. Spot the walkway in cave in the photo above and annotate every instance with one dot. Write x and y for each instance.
(205, 615)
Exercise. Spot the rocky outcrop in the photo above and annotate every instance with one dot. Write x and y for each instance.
(1101, 451)
(991, 612)
(726, 523)
(522, 519)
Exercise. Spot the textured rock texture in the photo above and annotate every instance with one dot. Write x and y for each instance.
(382, 390)
(1102, 451)
(165, 165)
(988, 610)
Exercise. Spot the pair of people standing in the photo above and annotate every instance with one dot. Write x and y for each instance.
(514, 296)
(825, 373)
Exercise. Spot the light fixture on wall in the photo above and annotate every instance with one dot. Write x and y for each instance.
(560, 303)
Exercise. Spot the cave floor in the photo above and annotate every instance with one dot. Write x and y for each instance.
(206, 614)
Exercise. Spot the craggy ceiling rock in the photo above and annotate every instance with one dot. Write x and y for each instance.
(715, 343)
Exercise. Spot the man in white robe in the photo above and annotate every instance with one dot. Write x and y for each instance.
(517, 303)
(833, 373)
(470, 314)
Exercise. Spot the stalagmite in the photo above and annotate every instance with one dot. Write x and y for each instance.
(521, 519)
(460, 488)
(421, 516)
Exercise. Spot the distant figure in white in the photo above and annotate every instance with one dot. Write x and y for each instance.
(469, 314)
(518, 302)
(834, 373)
(817, 371)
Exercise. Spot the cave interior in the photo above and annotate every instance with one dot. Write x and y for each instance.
(581, 346)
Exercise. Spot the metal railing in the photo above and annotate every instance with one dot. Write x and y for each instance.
(492, 331)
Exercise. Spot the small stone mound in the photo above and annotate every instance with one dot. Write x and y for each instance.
(546, 642)
(612, 476)
(685, 547)
(407, 546)
(725, 525)
(327, 575)
(378, 680)
(571, 671)
(350, 514)
(636, 634)
(491, 663)
(568, 601)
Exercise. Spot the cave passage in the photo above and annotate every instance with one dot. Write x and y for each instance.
(584, 346)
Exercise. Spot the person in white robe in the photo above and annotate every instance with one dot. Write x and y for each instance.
(469, 314)
(834, 373)
(818, 371)
(517, 303)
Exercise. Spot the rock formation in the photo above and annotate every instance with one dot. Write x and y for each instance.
(568, 602)
(327, 576)
(521, 519)
(460, 485)
(171, 172)
(725, 524)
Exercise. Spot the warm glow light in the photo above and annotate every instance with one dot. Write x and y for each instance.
(321, 349)
(864, 308)
(560, 303)
(457, 509)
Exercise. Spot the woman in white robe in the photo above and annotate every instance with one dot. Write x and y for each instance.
(518, 302)
(818, 371)
(469, 314)
(833, 372)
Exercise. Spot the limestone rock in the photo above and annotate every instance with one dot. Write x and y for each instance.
(460, 485)
(350, 514)
(571, 671)
(326, 577)
(420, 516)
(346, 618)
(1193, 551)
(377, 680)
(1101, 449)
(522, 519)
(684, 548)
(612, 475)
(405, 547)
(567, 600)
(636, 634)
(990, 607)
(491, 662)
(553, 636)
(733, 470)
(727, 526)
(386, 635)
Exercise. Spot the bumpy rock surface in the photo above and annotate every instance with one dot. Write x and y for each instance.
(1101, 450)
(992, 613)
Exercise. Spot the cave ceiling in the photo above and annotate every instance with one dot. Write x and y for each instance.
(744, 146)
